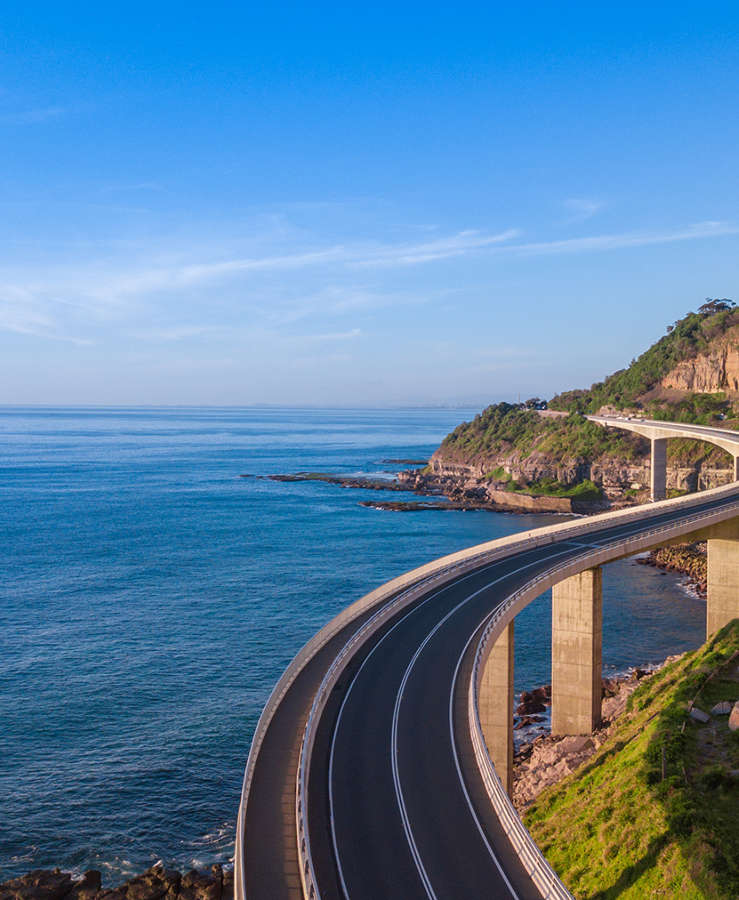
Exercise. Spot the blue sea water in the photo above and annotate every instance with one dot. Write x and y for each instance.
(151, 597)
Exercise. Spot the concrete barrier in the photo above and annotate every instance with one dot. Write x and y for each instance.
(534, 862)
(392, 596)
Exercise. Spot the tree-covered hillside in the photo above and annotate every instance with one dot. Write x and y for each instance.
(504, 436)
(507, 427)
(686, 339)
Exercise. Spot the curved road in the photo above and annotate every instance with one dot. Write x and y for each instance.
(399, 810)
(396, 805)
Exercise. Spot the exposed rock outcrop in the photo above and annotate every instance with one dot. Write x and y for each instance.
(548, 759)
(708, 373)
(156, 883)
(690, 559)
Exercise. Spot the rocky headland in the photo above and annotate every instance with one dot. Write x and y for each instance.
(156, 883)
(547, 457)
(689, 559)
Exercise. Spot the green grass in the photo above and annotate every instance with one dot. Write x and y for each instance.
(548, 487)
(617, 828)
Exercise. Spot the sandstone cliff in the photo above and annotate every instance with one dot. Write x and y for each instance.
(710, 372)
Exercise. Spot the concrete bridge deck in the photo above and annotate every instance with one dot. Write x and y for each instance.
(659, 433)
(386, 793)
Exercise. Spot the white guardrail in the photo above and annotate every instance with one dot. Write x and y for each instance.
(386, 600)
(533, 860)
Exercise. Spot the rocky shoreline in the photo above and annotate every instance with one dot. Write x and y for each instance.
(484, 493)
(156, 883)
(688, 559)
(452, 492)
(547, 759)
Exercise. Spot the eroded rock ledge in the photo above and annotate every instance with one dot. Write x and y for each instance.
(156, 883)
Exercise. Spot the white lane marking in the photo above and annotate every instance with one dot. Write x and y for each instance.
(458, 766)
(341, 711)
(396, 711)
(387, 634)
(630, 528)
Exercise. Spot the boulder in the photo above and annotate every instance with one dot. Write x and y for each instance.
(699, 716)
(201, 885)
(535, 701)
(722, 709)
(87, 887)
(523, 721)
(227, 891)
(155, 883)
(41, 884)
(734, 717)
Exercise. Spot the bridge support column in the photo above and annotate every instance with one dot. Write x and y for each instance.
(723, 576)
(659, 468)
(577, 641)
(496, 707)
(736, 468)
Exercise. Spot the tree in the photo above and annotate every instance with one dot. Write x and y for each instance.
(712, 306)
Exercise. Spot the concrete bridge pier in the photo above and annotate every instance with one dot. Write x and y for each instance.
(577, 642)
(496, 707)
(659, 468)
(736, 468)
(723, 576)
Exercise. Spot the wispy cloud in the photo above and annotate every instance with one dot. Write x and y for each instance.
(629, 239)
(443, 248)
(131, 188)
(580, 209)
(176, 332)
(170, 294)
(331, 336)
(32, 116)
(22, 313)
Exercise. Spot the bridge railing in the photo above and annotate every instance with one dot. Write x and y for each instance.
(541, 873)
(399, 592)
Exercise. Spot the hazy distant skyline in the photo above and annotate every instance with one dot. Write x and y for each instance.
(327, 205)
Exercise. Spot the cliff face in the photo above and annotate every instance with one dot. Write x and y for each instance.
(619, 479)
(708, 373)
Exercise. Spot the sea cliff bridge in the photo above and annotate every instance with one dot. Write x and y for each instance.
(381, 765)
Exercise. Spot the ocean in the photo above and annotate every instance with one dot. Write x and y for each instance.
(151, 597)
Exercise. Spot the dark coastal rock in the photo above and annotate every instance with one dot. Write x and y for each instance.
(87, 888)
(523, 721)
(411, 505)
(347, 481)
(688, 559)
(156, 883)
(535, 701)
(40, 884)
(227, 891)
(201, 885)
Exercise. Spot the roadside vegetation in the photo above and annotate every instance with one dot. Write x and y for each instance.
(506, 427)
(653, 813)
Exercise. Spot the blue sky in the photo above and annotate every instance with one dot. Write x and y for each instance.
(333, 204)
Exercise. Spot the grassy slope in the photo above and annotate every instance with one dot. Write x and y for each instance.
(616, 829)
